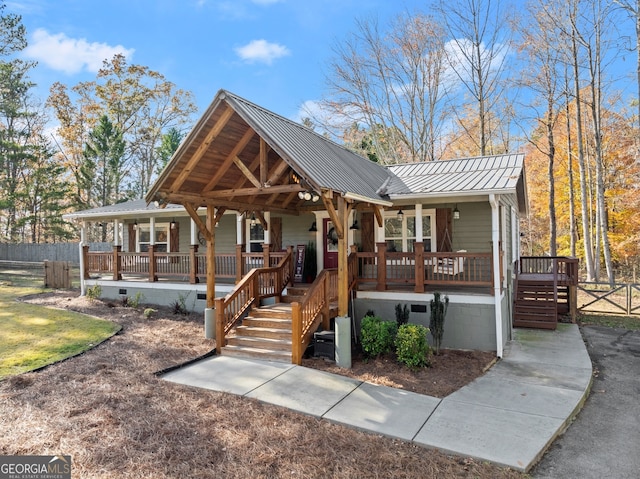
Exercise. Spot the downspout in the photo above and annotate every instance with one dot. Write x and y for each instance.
(495, 242)
(83, 240)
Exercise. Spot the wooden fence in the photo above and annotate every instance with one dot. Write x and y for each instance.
(57, 274)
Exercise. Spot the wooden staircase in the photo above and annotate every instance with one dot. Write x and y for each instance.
(535, 304)
(265, 333)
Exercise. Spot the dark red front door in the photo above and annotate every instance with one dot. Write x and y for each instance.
(330, 247)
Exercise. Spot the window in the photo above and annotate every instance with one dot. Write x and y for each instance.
(144, 237)
(256, 238)
(400, 233)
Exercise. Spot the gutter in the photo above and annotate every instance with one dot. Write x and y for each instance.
(366, 199)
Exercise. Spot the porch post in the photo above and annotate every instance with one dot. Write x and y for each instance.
(193, 276)
(117, 265)
(495, 252)
(153, 277)
(84, 258)
(266, 247)
(239, 262)
(211, 257)
(419, 238)
(382, 266)
(418, 249)
(194, 233)
(343, 274)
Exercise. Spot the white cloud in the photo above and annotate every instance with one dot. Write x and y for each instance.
(262, 51)
(71, 55)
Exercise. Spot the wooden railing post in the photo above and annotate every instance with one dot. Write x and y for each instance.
(117, 265)
(296, 334)
(239, 262)
(381, 274)
(220, 341)
(291, 264)
(267, 256)
(153, 277)
(418, 249)
(85, 255)
(193, 264)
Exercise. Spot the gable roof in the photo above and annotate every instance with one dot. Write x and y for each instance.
(317, 162)
(499, 174)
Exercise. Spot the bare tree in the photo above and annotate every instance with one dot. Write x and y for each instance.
(392, 84)
(477, 55)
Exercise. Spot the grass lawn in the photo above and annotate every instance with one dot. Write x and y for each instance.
(33, 336)
(623, 322)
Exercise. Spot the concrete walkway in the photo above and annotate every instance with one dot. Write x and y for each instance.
(509, 416)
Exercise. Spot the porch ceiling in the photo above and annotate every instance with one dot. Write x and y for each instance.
(242, 157)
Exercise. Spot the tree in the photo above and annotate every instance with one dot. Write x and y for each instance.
(168, 146)
(477, 55)
(391, 82)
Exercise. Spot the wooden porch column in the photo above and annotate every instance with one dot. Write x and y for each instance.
(239, 262)
(419, 258)
(193, 260)
(265, 251)
(382, 266)
(211, 256)
(153, 277)
(85, 266)
(343, 261)
(117, 263)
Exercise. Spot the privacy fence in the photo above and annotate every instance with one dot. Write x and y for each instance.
(51, 252)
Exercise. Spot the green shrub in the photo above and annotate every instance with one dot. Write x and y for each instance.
(377, 336)
(149, 312)
(438, 313)
(402, 314)
(136, 300)
(94, 292)
(412, 347)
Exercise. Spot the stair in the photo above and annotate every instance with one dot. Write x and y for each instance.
(535, 305)
(266, 332)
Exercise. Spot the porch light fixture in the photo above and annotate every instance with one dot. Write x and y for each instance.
(135, 225)
(173, 224)
(355, 226)
(314, 227)
(400, 214)
(253, 219)
(308, 195)
(456, 213)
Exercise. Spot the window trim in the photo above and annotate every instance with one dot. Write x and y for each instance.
(158, 227)
(430, 212)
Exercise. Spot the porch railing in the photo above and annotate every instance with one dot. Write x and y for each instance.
(260, 283)
(187, 266)
(307, 314)
(563, 268)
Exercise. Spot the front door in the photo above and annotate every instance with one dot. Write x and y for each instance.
(330, 244)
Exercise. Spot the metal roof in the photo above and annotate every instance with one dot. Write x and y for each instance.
(324, 163)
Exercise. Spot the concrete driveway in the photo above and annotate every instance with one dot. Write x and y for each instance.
(604, 440)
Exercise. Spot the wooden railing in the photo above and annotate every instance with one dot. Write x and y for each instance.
(419, 269)
(260, 283)
(564, 269)
(188, 266)
(307, 314)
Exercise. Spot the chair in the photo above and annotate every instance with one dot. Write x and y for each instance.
(450, 266)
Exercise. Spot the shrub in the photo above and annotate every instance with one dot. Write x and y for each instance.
(377, 336)
(436, 325)
(94, 292)
(402, 314)
(149, 312)
(136, 300)
(412, 348)
(179, 306)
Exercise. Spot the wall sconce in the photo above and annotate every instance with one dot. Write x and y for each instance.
(400, 215)
(253, 219)
(456, 213)
(135, 225)
(355, 226)
(173, 225)
(314, 227)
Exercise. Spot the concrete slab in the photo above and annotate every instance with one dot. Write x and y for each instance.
(542, 375)
(305, 390)
(516, 396)
(384, 410)
(508, 438)
(563, 347)
(227, 374)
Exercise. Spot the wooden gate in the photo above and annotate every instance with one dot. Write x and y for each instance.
(622, 299)
(57, 274)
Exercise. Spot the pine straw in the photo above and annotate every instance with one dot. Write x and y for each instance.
(108, 410)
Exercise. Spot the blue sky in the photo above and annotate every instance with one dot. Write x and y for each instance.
(272, 52)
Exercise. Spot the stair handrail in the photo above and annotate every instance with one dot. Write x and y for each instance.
(307, 313)
(257, 284)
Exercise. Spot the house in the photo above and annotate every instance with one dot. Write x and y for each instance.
(222, 224)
